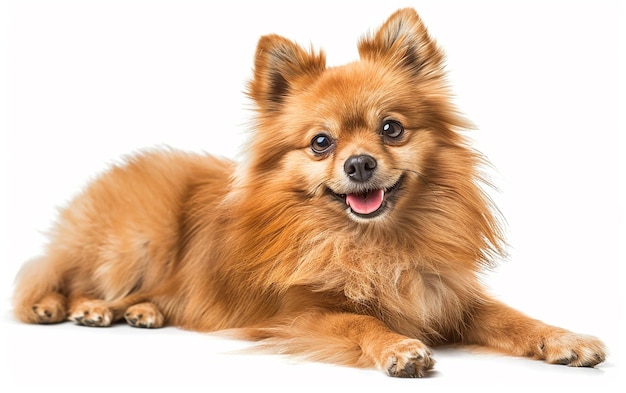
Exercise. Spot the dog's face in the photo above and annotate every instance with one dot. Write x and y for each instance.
(357, 140)
(361, 147)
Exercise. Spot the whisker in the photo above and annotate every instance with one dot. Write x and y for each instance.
(323, 183)
(431, 186)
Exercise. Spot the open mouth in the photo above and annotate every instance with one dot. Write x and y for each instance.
(369, 203)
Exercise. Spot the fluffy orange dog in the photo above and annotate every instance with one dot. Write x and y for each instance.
(354, 232)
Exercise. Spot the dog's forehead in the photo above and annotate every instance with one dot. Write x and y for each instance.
(351, 95)
(353, 79)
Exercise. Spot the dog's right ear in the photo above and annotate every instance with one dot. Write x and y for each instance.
(280, 68)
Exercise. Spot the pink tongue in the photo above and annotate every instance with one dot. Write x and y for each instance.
(365, 203)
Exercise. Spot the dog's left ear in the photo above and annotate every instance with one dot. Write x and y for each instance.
(403, 41)
(280, 68)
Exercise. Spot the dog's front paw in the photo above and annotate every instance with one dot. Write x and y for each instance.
(407, 359)
(572, 349)
(93, 313)
(145, 315)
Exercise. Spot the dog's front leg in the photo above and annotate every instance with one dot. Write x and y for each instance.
(498, 326)
(349, 339)
(395, 354)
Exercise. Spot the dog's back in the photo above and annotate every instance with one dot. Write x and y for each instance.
(122, 235)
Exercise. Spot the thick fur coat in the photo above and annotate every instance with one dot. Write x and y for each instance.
(354, 231)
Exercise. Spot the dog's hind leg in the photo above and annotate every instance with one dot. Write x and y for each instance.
(49, 309)
(39, 296)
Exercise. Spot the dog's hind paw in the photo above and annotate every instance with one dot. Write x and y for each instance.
(94, 313)
(50, 309)
(145, 315)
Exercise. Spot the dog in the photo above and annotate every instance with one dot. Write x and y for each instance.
(353, 232)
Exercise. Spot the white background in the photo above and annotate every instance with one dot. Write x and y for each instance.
(86, 82)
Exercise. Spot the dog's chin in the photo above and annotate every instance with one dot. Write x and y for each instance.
(368, 204)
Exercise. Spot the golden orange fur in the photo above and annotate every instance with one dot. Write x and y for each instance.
(353, 232)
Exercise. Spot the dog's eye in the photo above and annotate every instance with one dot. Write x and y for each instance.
(321, 144)
(392, 129)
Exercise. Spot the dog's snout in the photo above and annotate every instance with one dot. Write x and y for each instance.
(360, 168)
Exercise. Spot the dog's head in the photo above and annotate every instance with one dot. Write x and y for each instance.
(362, 140)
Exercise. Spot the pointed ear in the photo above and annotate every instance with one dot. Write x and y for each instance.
(280, 68)
(404, 41)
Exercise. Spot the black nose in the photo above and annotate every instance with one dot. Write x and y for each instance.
(360, 168)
